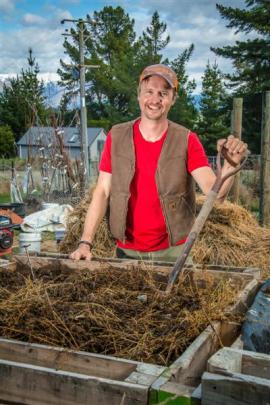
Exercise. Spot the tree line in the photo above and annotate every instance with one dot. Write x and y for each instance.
(111, 90)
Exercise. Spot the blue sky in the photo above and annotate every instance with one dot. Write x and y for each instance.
(36, 24)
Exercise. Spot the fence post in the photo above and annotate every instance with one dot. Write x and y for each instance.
(265, 162)
(236, 128)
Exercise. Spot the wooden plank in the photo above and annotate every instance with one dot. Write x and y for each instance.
(33, 385)
(231, 360)
(256, 364)
(225, 361)
(236, 130)
(145, 373)
(244, 298)
(149, 368)
(256, 272)
(68, 360)
(238, 343)
(265, 162)
(39, 262)
(141, 378)
(236, 389)
(229, 332)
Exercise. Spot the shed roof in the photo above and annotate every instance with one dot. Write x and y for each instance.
(37, 136)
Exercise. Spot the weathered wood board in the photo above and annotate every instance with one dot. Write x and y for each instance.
(38, 374)
(237, 377)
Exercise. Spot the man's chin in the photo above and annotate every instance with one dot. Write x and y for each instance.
(153, 116)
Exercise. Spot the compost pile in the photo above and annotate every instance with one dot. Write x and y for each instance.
(112, 311)
(231, 236)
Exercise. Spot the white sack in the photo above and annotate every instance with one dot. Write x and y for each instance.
(49, 219)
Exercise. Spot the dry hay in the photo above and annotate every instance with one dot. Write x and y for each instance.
(231, 236)
(113, 312)
(104, 244)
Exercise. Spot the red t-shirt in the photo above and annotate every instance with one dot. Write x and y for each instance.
(146, 228)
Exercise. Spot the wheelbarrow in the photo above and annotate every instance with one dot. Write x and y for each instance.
(203, 214)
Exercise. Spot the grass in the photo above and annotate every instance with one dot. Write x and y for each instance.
(4, 198)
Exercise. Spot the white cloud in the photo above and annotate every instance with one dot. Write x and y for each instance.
(187, 22)
(40, 34)
(49, 77)
(7, 6)
(6, 76)
(33, 19)
(46, 45)
(57, 14)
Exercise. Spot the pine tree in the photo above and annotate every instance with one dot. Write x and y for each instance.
(7, 142)
(22, 100)
(251, 61)
(184, 110)
(153, 41)
(212, 121)
(111, 88)
(251, 58)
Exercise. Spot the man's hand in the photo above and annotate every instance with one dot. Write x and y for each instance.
(82, 252)
(236, 148)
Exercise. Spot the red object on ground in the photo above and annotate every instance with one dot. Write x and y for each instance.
(6, 235)
(15, 218)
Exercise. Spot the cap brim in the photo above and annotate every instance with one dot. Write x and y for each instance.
(160, 75)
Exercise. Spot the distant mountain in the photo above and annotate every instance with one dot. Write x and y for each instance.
(197, 99)
(53, 93)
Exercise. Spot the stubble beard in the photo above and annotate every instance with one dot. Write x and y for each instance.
(157, 115)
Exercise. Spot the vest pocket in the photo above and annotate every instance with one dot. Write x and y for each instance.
(118, 214)
(179, 217)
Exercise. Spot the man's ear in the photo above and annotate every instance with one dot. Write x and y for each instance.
(174, 99)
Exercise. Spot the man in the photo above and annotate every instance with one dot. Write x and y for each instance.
(147, 174)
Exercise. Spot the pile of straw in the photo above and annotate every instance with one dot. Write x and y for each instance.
(112, 312)
(231, 236)
(104, 244)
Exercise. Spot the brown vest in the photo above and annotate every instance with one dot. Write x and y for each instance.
(175, 185)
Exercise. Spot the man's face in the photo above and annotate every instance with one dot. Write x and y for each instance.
(155, 98)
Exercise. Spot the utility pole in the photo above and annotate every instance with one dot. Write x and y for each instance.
(265, 162)
(84, 135)
(236, 128)
(83, 110)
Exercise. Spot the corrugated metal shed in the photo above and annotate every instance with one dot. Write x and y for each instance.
(41, 136)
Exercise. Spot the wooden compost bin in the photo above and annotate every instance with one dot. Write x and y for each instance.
(39, 374)
(236, 376)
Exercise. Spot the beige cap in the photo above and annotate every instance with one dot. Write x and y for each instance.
(163, 71)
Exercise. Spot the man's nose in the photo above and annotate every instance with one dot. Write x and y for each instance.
(155, 97)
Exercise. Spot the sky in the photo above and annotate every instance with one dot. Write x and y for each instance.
(36, 24)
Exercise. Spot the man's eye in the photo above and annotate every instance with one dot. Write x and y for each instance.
(164, 93)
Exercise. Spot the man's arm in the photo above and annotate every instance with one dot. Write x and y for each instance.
(205, 177)
(94, 216)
